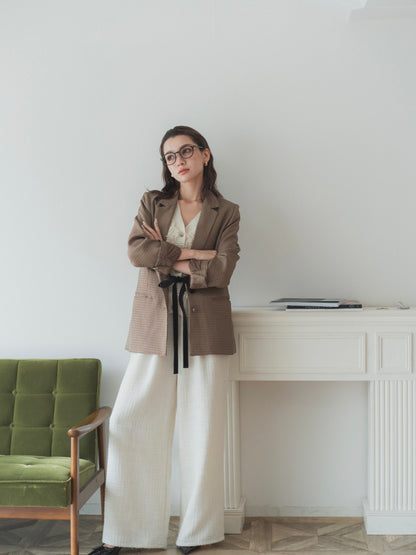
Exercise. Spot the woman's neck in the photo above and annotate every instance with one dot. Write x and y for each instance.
(189, 193)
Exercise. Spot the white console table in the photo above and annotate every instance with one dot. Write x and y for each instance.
(373, 345)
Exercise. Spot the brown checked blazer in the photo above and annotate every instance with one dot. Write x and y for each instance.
(210, 324)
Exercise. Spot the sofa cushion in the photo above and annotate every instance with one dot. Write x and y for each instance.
(40, 399)
(35, 481)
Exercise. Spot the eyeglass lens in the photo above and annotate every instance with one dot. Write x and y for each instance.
(185, 152)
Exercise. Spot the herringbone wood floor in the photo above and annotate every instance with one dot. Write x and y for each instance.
(277, 535)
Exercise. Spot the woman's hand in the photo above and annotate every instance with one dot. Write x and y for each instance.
(152, 233)
(204, 255)
(187, 254)
(182, 266)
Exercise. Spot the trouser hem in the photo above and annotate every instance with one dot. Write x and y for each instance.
(137, 545)
(191, 543)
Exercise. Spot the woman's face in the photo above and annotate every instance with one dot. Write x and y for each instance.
(185, 169)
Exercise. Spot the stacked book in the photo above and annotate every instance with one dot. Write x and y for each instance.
(296, 303)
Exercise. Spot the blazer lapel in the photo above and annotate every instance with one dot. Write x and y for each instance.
(164, 210)
(207, 218)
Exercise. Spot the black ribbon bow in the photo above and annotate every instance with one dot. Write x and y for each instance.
(185, 280)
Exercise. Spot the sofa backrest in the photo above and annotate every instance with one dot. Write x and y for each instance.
(40, 399)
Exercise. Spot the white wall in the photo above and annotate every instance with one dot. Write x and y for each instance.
(311, 119)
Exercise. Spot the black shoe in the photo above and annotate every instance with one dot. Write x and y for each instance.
(102, 550)
(187, 549)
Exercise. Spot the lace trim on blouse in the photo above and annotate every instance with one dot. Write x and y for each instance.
(182, 236)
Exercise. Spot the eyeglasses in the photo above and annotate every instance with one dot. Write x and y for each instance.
(186, 151)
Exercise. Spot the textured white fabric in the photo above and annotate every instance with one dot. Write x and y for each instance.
(179, 234)
(182, 236)
(137, 502)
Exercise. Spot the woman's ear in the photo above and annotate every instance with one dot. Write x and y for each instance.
(206, 155)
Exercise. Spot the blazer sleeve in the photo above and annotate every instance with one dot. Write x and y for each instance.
(150, 253)
(217, 272)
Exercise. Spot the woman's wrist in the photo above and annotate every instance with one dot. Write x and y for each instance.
(187, 254)
(195, 254)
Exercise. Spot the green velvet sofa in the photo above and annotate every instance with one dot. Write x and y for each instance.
(52, 450)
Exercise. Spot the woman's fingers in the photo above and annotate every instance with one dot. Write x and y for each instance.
(149, 231)
(158, 231)
(148, 235)
(152, 233)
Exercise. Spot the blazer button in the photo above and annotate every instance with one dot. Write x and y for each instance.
(194, 309)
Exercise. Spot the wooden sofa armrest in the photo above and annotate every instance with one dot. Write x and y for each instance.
(78, 498)
(90, 423)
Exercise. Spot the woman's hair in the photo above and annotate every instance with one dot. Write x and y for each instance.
(210, 175)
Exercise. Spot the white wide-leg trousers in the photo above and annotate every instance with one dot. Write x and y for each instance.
(137, 501)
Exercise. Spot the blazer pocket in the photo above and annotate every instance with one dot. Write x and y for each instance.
(143, 295)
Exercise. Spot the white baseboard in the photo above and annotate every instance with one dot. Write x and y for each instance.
(398, 523)
(265, 510)
(234, 518)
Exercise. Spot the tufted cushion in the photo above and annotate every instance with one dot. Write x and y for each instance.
(29, 481)
(41, 399)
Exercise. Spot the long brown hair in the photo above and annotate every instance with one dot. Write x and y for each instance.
(210, 175)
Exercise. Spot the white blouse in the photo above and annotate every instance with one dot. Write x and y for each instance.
(182, 236)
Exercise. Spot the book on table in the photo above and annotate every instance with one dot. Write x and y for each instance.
(342, 307)
(297, 303)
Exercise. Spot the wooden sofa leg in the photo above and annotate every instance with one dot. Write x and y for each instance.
(101, 453)
(75, 495)
(74, 532)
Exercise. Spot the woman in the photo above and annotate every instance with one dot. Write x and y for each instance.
(184, 239)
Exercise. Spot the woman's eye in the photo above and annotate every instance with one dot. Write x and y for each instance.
(169, 157)
(186, 151)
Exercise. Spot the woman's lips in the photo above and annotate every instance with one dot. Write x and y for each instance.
(183, 171)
